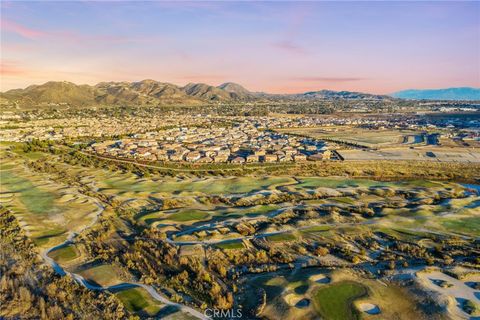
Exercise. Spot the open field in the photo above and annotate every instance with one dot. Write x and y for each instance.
(405, 145)
(418, 154)
(362, 137)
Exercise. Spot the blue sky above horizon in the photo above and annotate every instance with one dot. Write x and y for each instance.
(283, 47)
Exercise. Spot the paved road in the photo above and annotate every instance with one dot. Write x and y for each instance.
(81, 280)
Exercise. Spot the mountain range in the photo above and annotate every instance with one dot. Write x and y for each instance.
(151, 92)
(464, 93)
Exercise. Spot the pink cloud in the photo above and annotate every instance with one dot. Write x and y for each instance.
(11, 68)
(289, 46)
(68, 36)
(204, 77)
(327, 79)
(23, 31)
(295, 22)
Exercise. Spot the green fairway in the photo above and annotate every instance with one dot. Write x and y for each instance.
(334, 302)
(151, 217)
(48, 210)
(316, 182)
(32, 155)
(281, 237)
(258, 210)
(345, 200)
(207, 186)
(103, 274)
(51, 231)
(316, 229)
(35, 200)
(188, 215)
(470, 225)
(137, 300)
(64, 254)
(230, 245)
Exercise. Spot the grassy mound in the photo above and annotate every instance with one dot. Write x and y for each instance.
(335, 302)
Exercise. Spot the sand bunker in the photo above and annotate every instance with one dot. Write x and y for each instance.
(449, 288)
(67, 198)
(320, 278)
(292, 299)
(369, 308)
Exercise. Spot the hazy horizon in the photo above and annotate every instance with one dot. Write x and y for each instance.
(218, 84)
(274, 47)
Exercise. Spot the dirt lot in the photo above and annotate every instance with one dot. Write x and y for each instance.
(424, 154)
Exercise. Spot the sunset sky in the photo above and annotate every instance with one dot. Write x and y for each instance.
(277, 47)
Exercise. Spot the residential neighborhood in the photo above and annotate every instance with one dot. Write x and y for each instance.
(242, 143)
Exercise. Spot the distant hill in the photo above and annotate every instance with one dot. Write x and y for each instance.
(146, 92)
(329, 94)
(236, 90)
(465, 93)
(53, 93)
(151, 92)
(206, 92)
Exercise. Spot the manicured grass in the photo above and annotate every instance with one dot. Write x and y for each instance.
(413, 233)
(316, 229)
(33, 155)
(230, 245)
(207, 186)
(44, 236)
(281, 237)
(469, 225)
(344, 200)
(188, 215)
(238, 184)
(334, 302)
(103, 274)
(422, 183)
(64, 254)
(137, 299)
(398, 211)
(151, 217)
(255, 210)
(5, 166)
(315, 182)
(35, 200)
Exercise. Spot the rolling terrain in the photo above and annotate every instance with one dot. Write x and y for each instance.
(151, 92)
